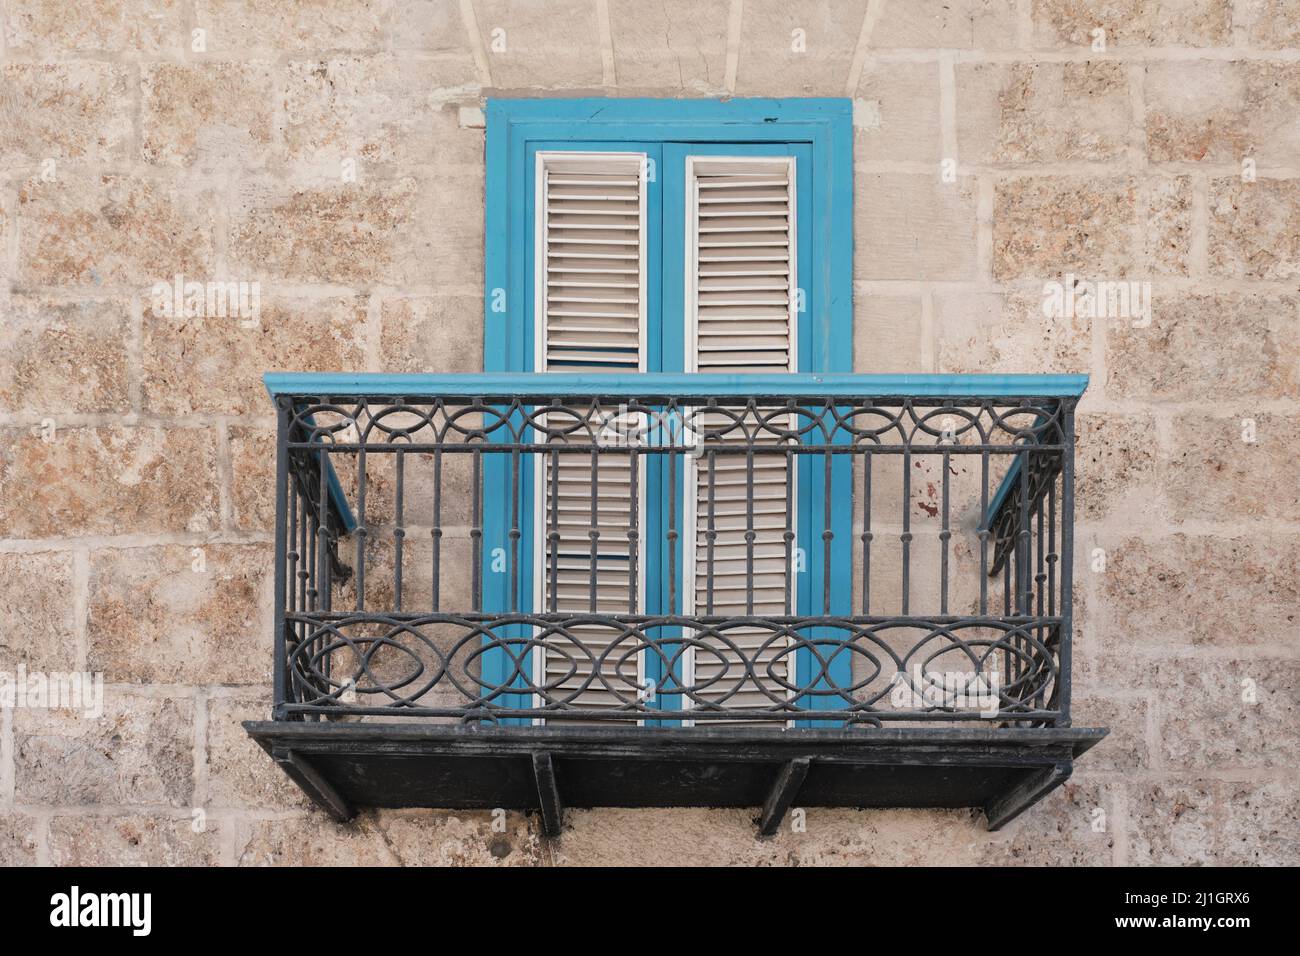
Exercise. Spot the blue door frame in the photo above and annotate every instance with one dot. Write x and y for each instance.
(819, 133)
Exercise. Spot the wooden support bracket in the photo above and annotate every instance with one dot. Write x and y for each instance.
(782, 796)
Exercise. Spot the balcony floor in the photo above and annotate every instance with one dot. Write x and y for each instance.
(343, 766)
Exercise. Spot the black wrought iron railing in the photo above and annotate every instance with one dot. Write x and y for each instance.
(675, 551)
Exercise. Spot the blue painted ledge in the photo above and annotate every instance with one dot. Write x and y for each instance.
(844, 385)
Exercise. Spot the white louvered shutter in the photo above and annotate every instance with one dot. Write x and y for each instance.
(591, 317)
(741, 317)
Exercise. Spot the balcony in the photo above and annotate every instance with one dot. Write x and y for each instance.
(539, 591)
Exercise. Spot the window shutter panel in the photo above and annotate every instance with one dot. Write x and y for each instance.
(591, 317)
(741, 317)
(743, 239)
(591, 227)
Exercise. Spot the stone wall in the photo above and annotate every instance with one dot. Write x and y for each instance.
(1000, 145)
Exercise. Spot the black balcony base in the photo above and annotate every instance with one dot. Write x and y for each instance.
(343, 766)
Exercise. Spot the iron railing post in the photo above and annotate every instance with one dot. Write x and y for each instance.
(1067, 559)
(280, 662)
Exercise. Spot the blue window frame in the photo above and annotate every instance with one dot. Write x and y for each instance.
(819, 133)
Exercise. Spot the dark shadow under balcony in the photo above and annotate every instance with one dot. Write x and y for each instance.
(538, 591)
